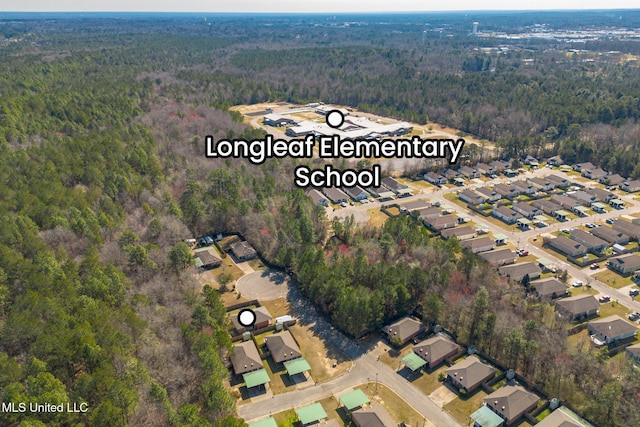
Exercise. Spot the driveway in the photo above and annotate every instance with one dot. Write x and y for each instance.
(263, 285)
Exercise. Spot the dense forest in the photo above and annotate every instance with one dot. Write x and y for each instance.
(101, 159)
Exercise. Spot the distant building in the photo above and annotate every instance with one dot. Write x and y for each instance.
(317, 197)
(577, 308)
(611, 329)
(511, 402)
(404, 330)
(435, 350)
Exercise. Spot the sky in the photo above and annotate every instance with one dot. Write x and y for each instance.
(330, 6)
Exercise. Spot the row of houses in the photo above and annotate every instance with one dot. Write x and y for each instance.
(282, 348)
(390, 187)
(503, 406)
(589, 170)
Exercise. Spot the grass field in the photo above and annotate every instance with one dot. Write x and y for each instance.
(320, 355)
(399, 410)
(428, 382)
(613, 279)
(462, 407)
(376, 217)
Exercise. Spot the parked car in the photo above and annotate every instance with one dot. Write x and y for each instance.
(566, 230)
(343, 204)
(594, 266)
(609, 221)
(522, 252)
(604, 298)
(590, 225)
(634, 316)
(577, 283)
(634, 292)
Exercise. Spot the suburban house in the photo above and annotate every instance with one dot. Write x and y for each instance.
(517, 272)
(335, 194)
(282, 347)
(595, 244)
(633, 351)
(524, 187)
(549, 288)
(511, 402)
(428, 213)
(558, 181)
(461, 233)
(583, 167)
(263, 319)
(469, 374)
(441, 223)
(469, 172)
(273, 119)
(565, 201)
(245, 358)
(243, 251)
(555, 161)
(559, 418)
(625, 264)
(403, 330)
(505, 214)
(506, 191)
(547, 206)
(435, 178)
(471, 197)
(356, 193)
(532, 161)
(568, 247)
(614, 179)
(381, 192)
(481, 244)
(626, 227)
(577, 308)
(595, 174)
(484, 168)
(451, 174)
(525, 209)
(317, 197)
(610, 235)
(630, 186)
(499, 165)
(435, 349)
(206, 258)
(600, 194)
(542, 184)
(395, 186)
(489, 195)
(373, 415)
(499, 257)
(610, 329)
(582, 197)
(415, 205)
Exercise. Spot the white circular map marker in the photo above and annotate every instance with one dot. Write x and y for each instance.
(335, 118)
(246, 317)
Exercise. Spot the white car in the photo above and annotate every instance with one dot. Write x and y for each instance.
(577, 283)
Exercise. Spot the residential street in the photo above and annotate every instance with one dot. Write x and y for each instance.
(364, 371)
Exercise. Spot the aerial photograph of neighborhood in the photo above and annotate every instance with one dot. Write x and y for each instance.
(319, 217)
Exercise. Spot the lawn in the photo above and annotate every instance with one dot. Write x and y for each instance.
(376, 217)
(392, 357)
(399, 410)
(276, 307)
(393, 211)
(611, 308)
(289, 418)
(428, 383)
(582, 290)
(320, 355)
(613, 279)
(462, 407)
(257, 264)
